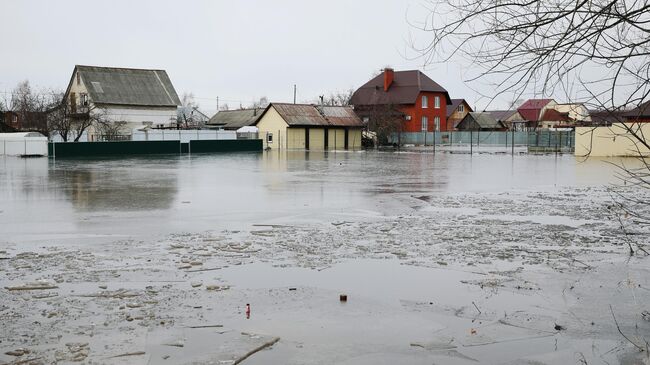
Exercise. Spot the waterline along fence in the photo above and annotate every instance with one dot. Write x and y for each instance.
(122, 148)
(532, 141)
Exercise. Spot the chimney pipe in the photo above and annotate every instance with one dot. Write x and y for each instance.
(388, 77)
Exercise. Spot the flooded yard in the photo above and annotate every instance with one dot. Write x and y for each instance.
(445, 259)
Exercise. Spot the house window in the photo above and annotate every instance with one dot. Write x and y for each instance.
(461, 108)
(269, 138)
(436, 102)
(83, 98)
(436, 121)
(425, 102)
(425, 124)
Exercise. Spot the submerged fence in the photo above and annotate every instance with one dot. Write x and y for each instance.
(533, 141)
(120, 148)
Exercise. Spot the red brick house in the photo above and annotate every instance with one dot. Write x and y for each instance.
(418, 102)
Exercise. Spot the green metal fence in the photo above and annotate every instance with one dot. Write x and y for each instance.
(80, 149)
(117, 148)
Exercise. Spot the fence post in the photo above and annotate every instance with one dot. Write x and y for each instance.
(471, 141)
(434, 142)
(512, 145)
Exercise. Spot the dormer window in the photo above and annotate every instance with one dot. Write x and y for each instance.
(425, 102)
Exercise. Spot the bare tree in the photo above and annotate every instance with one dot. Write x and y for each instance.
(189, 100)
(108, 129)
(546, 46)
(262, 103)
(188, 115)
(593, 52)
(68, 122)
(596, 52)
(30, 107)
(337, 98)
(384, 120)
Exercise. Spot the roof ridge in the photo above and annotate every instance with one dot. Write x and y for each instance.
(122, 68)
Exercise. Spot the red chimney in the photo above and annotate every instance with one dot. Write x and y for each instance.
(388, 77)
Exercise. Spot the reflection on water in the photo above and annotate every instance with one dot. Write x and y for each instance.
(98, 187)
(166, 194)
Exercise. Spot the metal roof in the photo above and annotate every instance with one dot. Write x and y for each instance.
(127, 86)
(236, 119)
(502, 115)
(552, 115)
(606, 116)
(340, 116)
(530, 110)
(404, 89)
(483, 120)
(642, 111)
(454, 105)
(315, 115)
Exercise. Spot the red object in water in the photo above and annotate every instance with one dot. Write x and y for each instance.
(248, 310)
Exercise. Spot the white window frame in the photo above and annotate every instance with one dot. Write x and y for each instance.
(425, 123)
(436, 120)
(461, 108)
(425, 102)
(269, 138)
(436, 102)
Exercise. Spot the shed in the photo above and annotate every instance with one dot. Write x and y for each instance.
(474, 121)
(310, 127)
(23, 144)
(235, 119)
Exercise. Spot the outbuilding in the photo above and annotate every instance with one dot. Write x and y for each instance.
(310, 127)
(474, 121)
(23, 144)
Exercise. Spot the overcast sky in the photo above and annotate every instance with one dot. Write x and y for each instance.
(237, 50)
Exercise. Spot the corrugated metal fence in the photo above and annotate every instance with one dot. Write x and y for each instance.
(534, 141)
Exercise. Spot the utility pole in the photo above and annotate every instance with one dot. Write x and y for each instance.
(294, 93)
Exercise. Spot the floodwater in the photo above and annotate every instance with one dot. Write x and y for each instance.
(171, 194)
(448, 258)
